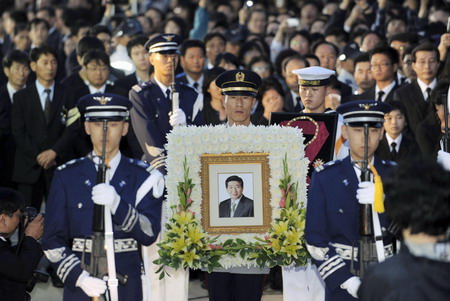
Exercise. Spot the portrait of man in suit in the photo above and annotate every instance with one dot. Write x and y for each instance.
(238, 205)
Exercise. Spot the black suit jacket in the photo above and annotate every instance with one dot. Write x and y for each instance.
(16, 270)
(370, 94)
(408, 149)
(32, 133)
(7, 145)
(428, 135)
(416, 107)
(127, 82)
(244, 208)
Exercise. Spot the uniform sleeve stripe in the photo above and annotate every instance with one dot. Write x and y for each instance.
(66, 266)
(332, 270)
(330, 262)
(131, 221)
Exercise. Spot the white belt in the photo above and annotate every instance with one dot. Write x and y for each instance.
(345, 251)
(120, 245)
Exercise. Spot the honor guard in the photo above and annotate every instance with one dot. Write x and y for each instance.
(161, 104)
(335, 195)
(130, 192)
(314, 85)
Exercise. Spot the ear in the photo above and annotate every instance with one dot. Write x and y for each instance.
(125, 128)
(344, 131)
(223, 101)
(395, 67)
(3, 219)
(87, 128)
(33, 66)
(6, 71)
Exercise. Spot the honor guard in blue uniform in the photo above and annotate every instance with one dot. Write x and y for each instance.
(153, 114)
(335, 195)
(133, 196)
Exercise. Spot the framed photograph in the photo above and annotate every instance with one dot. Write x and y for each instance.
(223, 187)
(236, 196)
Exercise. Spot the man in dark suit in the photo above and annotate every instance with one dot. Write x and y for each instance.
(384, 65)
(37, 126)
(396, 146)
(292, 101)
(238, 205)
(152, 101)
(16, 68)
(415, 96)
(192, 60)
(19, 262)
(139, 57)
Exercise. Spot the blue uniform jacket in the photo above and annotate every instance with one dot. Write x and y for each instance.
(150, 117)
(332, 217)
(69, 215)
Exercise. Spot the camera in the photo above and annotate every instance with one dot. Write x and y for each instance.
(249, 3)
(293, 22)
(38, 276)
(30, 213)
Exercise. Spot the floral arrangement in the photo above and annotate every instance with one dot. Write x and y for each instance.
(186, 244)
(285, 245)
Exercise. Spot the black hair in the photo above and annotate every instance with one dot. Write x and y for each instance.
(397, 105)
(98, 29)
(97, 56)
(36, 53)
(181, 23)
(213, 35)
(323, 42)
(388, 51)
(228, 58)
(425, 47)
(88, 43)
(50, 10)
(364, 57)
(302, 33)
(296, 56)
(246, 47)
(259, 59)
(137, 40)
(15, 56)
(210, 76)
(75, 28)
(18, 16)
(269, 84)
(20, 27)
(311, 56)
(234, 178)
(406, 37)
(408, 200)
(281, 57)
(192, 44)
(37, 21)
(10, 201)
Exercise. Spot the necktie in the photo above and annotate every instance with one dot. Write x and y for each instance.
(168, 94)
(47, 105)
(196, 86)
(233, 209)
(394, 151)
(380, 96)
(428, 94)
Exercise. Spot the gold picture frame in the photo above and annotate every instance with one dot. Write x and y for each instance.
(251, 167)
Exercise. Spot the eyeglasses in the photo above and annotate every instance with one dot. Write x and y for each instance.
(423, 63)
(382, 66)
(261, 69)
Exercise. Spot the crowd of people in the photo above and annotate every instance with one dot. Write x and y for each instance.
(312, 56)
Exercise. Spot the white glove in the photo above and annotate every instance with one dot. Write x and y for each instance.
(177, 118)
(443, 158)
(105, 194)
(157, 183)
(93, 287)
(352, 285)
(366, 193)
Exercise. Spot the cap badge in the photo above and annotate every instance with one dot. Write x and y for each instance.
(367, 106)
(240, 77)
(102, 100)
(168, 38)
